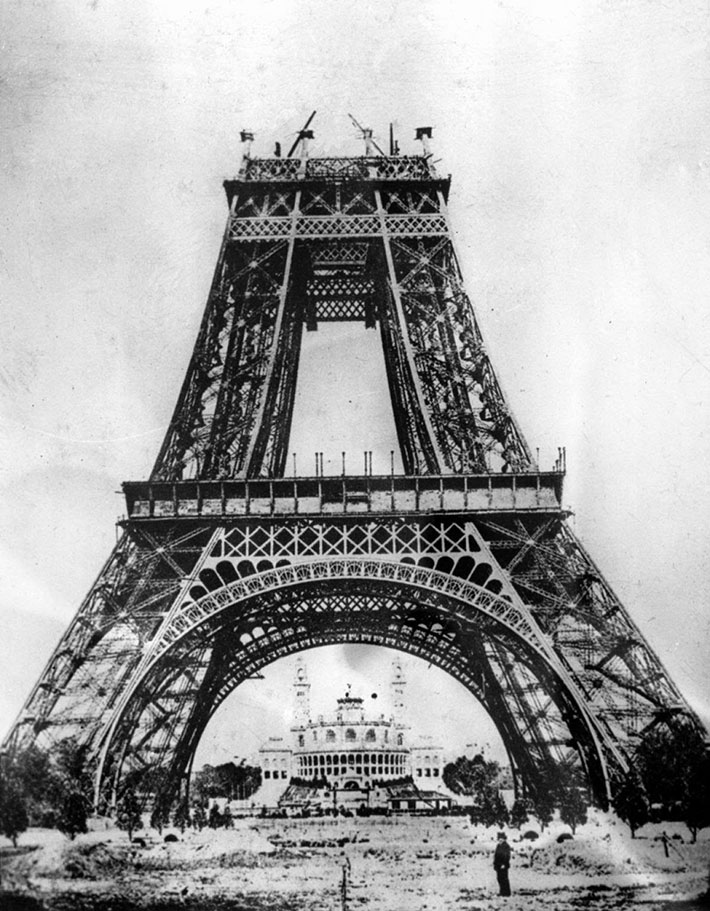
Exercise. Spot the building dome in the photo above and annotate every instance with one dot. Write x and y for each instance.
(348, 749)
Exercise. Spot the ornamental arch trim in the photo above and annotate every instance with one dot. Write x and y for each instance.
(410, 608)
(469, 595)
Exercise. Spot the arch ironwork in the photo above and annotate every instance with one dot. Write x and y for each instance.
(474, 634)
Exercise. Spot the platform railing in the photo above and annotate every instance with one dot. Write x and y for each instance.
(346, 494)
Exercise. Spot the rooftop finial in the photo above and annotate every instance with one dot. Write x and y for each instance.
(394, 145)
(423, 134)
(367, 136)
(247, 137)
(303, 136)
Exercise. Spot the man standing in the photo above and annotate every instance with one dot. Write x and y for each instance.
(501, 863)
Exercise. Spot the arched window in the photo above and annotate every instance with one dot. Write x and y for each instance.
(330, 736)
(400, 739)
(301, 740)
(350, 734)
(370, 736)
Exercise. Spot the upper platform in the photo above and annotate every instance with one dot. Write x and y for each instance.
(330, 495)
(383, 169)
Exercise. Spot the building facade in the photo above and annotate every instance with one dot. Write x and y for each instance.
(349, 749)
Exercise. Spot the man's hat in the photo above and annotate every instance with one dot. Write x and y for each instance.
(501, 835)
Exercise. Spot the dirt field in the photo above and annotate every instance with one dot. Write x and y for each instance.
(400, 864)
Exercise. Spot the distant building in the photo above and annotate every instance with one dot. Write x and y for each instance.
(354, 753)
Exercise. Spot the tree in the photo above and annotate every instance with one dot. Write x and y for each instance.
(227, 780)
(71, 820)
(567, 789)
(667, 759)
(13, 812)
(71, 764)
(160, 817)
(128, 812)
(215, 817)
(573, 808)
(631, 801)
(72, 784)
(674, 766)
(473, 777)
(519, 814)
(543, 807)
(696, 801)
(38, 784)
(181, 816)
(199, 817)
(493, 809)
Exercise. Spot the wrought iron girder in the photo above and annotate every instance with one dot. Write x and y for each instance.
(469, 412)
(447, 543)
(217, 410)
(409, 201)
(258, 202)
(417, 443)
(375, 574)
(97, 655)
(470, 569)
(361, 168)
(70, 653)
(590, 628)
(233, 415)
(333, 227)
(251, 634)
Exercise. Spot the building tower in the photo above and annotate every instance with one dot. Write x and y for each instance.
(301, 693)
(399, 687)
(466, 559)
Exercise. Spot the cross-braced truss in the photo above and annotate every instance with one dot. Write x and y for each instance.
(466, 560)
(365, 241)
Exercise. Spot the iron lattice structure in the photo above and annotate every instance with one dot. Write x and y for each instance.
(466, 559)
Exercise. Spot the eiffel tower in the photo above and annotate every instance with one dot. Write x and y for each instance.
(227, 563)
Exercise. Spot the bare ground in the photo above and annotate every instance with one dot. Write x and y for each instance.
(401, 864)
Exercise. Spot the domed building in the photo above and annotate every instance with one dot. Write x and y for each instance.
(349, 751)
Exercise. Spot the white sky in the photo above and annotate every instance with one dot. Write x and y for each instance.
(577, 135)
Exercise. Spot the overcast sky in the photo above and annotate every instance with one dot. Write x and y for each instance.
(577, 135)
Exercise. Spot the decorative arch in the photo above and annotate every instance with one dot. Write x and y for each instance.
(462, 627)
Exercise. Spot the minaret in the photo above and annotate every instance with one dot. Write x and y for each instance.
(398, 687)
(302, 690)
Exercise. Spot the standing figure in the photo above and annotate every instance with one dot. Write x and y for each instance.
(501, 863)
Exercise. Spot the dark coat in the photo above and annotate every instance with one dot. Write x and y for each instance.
(501, 859)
